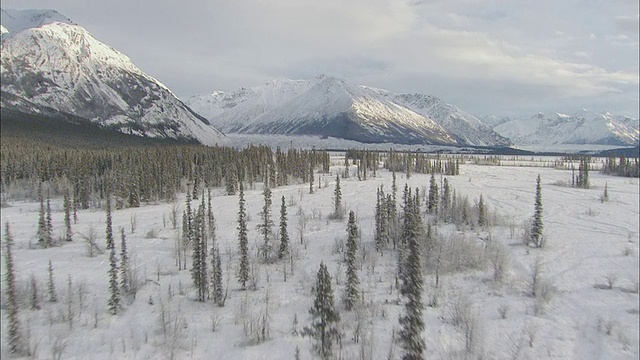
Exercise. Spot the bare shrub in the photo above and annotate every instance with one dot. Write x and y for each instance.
(610, 280)
(503, 309)
(465, 318)
(498, 256)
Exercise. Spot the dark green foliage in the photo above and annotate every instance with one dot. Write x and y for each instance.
(338, 212)
(114, 289)
(434, 198)
(51, 285)
(411, 321)
(243, 241)
(621, 167)
(67, 215)
(199, 255)
(536, 226)
(482, 217)
(582, 180)
(14, 334)
(284, 234)
(324, 317)
(125, 282)
(266, 226)
(352, 290)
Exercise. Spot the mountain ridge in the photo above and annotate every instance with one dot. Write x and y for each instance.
(60, 66)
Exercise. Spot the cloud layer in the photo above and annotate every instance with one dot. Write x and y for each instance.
(494, 57)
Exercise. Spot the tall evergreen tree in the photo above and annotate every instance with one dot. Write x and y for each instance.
(199, 261)
(216, 277)
(42, 220)
(325, 317)
(15, 340)
(446, 201)
(536, 226)
(482, 217)
(432, 200)
(266, 226)
(125, 282)
(67, 215)
(411, 321)
(337, 201)
(284, 233)
(243, 241)
(49, 223)
(51, 285)
(352, 290)
(380, 218)
(114, 288)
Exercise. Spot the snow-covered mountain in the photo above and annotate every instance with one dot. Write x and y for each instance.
(584, 127)
(49, 64)
(463, 126)
(329, 106)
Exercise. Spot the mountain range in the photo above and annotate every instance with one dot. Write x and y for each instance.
(51, 66)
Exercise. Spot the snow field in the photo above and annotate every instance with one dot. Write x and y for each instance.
(589, 244)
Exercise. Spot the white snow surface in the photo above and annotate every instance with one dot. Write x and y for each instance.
(587, 241)
(584, 127)
(285, 106)
(60, 65)
(15, 21)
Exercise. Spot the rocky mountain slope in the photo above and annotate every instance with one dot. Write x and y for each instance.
(49, 64)
(329, 106)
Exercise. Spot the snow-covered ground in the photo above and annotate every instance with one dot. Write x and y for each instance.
(588, 242)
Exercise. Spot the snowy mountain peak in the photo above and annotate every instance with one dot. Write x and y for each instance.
(15, 21)
(313, 106)
(584, 127)
(57, 66)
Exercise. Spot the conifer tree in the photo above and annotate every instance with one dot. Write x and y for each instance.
(67, 215)
(482, 217)
(380, 217)
(42, 220)
(125, 282)
(411, 321)
(35, 302)
(432, 201)
(325, 317)
(536, 226)
(266, 227)
(199, 261)
(114, 288)
(284, 234)
(15, 340)
(311, 177)
(337, 201)
(49, 224)
(216, 278)
(352, 290)
(446, 200)
(51, 285)
(243, 241)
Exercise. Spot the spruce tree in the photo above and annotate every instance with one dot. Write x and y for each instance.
(67, 215)
(114, 288)
(379, 219)
(15, 340)
(48, 224)
(311, 177)
(51, 285)
(352, 290)
(411, 321)
(536, 227)
(125, 282)
(284, 234)
(337, 201)
(243, 241)
(216, 278)
(446, 200)
(482, 217)
(266, 226)
(325, 317)
(42, 220)
(35, 302)
(432, 201)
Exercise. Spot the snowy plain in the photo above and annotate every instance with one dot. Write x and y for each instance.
(587, 242)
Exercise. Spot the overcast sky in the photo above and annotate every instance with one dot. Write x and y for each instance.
(501, 57)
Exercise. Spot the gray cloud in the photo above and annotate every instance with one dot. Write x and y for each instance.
(492, 56)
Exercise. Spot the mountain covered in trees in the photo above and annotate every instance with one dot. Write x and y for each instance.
(584, 127)
(329, 106)
(54, 67)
